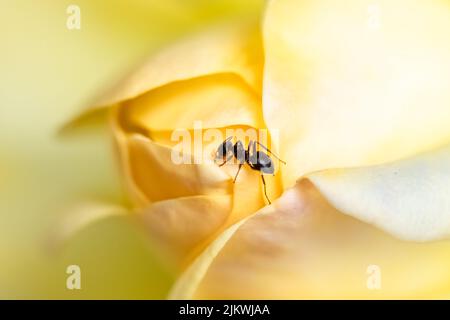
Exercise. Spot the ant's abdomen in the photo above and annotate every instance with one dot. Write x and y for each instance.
(263, 163)
(268, 170)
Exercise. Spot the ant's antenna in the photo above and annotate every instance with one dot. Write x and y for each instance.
(267, 149)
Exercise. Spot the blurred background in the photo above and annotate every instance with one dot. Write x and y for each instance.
(48, 73)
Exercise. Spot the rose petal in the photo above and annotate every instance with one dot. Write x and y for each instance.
(179, 225)
(345, 90)
(153, 172)
(302, 247)
(409, 199)
(216, 100)
(233, 48)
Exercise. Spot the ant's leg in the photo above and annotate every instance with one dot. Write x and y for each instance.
(235, 177)
(265, 191)
(265, 148)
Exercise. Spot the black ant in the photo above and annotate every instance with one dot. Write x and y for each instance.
(257, 160)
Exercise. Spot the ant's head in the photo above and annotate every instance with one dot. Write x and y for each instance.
(224, 151)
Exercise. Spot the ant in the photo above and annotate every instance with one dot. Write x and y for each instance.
(257, 160)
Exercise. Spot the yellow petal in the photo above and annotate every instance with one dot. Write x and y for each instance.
(153, 172)
(179, 225)
(187, 283)
(185, 206)
(153, 177)
(216, 100)
(356, 83)
(302, 247)
(409, 198)
(233, 48)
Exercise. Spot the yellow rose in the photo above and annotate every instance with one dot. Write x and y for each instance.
(206, 77)
(359, 93)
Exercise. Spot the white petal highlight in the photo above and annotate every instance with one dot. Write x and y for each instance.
(409, 199)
